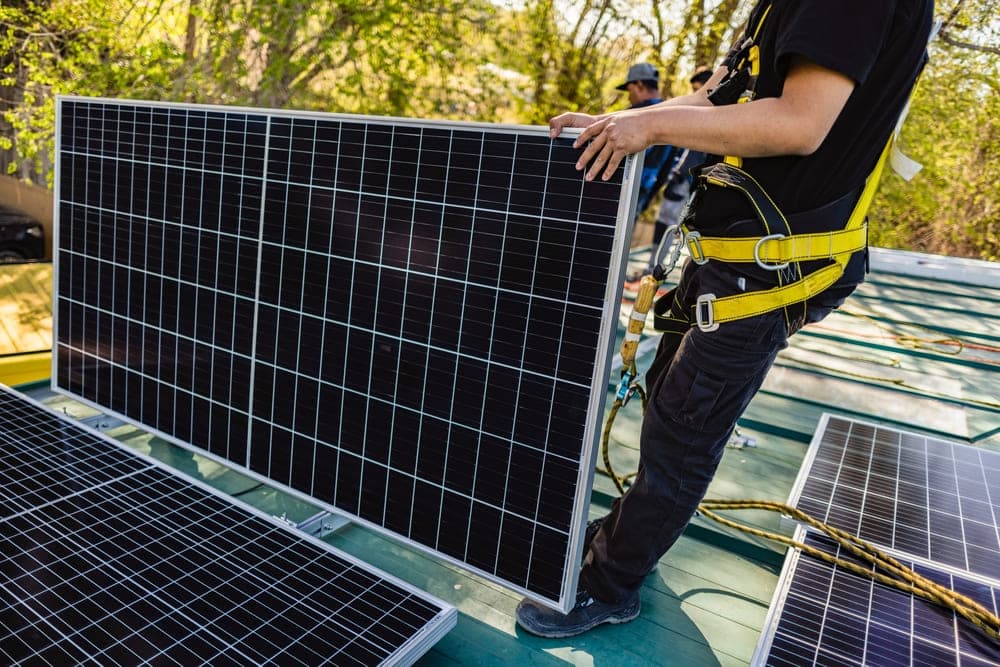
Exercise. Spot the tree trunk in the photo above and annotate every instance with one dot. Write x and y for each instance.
(191, 33)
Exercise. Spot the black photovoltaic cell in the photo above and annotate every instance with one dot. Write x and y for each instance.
(932, 499)
(108, 557)
(408, 321)
(829, 616)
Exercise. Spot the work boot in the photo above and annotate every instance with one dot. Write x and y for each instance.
(587, 613)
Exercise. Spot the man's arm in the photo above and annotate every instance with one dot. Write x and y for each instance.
(579, 119)
(794, 124)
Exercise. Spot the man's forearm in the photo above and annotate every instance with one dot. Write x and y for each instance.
(761, 129)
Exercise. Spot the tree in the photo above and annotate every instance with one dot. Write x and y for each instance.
(952, 206)
(521, 61)
(362, 56)
(686, 34)
(85, 47)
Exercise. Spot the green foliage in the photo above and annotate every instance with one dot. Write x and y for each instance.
(952, 206)
(53, 48)
(520, 61)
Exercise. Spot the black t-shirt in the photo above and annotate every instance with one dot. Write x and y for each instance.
(878, 43)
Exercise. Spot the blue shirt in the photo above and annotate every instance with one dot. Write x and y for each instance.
(656, 167)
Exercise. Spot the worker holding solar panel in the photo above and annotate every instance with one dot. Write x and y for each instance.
(799, 118)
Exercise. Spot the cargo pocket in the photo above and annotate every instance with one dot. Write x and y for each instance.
(701, 401)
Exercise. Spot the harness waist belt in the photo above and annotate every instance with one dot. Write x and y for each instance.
(775, 251)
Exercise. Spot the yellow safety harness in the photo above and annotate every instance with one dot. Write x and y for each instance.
(778, 249)
(752, 61)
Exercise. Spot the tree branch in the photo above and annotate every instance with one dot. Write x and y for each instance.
(946, 37)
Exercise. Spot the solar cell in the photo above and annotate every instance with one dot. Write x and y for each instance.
(932, 499)
(824, 615)
(408, 321)
(109, 557)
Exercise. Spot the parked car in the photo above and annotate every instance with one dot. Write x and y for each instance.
(22, 237)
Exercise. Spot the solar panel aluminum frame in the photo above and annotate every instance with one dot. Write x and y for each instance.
(407, 653)
(602, 365)
(777, 601)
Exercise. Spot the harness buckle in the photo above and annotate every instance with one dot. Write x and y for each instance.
(693, 242)
(707, 323)
(756, 253)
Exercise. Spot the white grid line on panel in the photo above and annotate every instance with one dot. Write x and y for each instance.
(372, 339)
(430, 333)
(402, 310)
(465, 289)
(256, 296)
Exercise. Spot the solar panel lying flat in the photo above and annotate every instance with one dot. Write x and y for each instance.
(408, 321)
(107, 556)
(932, 499)
(933, 505)
(823, 615)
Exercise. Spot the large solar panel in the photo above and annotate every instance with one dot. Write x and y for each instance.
(823, 615)
(109, 557)
(933, 499)
(408, 321)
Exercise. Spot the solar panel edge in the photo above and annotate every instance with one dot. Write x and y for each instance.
(597, 389)
(810, 456)
(776, 607)
(56, 215)
(598, 393)
(540, 130)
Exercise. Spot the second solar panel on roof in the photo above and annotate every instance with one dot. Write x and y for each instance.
(827, 615)
(108, 558)
(932, 504)
(410, 322)
(933, 499)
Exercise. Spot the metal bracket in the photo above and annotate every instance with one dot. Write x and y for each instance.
(102, 422)
(706, 303)
(322, 524)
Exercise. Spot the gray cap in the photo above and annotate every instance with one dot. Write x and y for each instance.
(640, 72)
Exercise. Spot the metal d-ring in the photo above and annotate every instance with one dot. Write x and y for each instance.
(756, 253)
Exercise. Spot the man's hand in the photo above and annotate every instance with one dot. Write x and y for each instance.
(569, 119)
(608, 140)
(796, 123)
